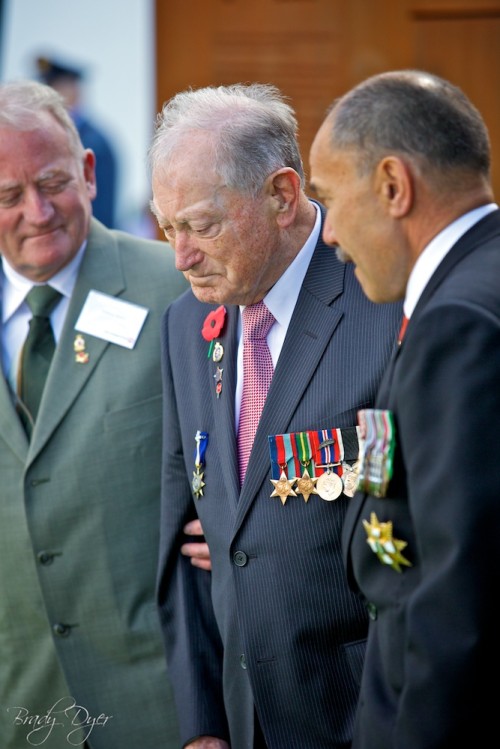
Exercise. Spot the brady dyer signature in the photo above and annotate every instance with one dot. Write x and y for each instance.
(73, 718)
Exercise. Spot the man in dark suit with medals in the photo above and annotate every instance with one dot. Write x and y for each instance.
(402, 163)
(266, 361)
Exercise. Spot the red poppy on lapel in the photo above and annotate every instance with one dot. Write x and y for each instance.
(214, 322)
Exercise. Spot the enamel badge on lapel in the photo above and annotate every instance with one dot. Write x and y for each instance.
(81, 356)
(212, 328)
(218, 380)
(218, 352)
(381, 541)
(197, 483)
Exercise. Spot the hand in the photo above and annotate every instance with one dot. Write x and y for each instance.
(200, 557)
(207, 742)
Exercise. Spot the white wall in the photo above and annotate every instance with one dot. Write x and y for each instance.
(114, 41)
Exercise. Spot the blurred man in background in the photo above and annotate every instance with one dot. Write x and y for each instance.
(68, 81)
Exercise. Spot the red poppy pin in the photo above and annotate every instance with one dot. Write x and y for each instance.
(212, 327)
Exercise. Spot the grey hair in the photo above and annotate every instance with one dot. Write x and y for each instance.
(415, 113)
(23, 105)
(254, 132)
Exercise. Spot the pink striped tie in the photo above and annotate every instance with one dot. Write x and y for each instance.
(257, 375)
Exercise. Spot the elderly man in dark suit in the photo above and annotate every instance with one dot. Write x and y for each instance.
(267, 651)
(407, 155)
(82, 653)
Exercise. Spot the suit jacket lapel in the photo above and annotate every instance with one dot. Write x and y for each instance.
(11, 428)
(311, 328)
(100, 270)
(478, 234)
(223, 406)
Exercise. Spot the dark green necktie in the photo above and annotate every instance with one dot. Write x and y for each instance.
(37, 352)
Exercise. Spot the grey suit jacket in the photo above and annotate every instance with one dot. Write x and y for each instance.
(79, 516)
(278, 625)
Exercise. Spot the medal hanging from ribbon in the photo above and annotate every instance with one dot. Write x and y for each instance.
(197, 482)
(280, 446)
(312, 462)
(331, 454)
(377, 440)
(305, 483)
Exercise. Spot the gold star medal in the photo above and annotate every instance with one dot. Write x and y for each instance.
(306, 485)
(381, 541)
(301, 446)
(283, 487)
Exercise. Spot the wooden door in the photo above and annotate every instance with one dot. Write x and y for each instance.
(314, 50)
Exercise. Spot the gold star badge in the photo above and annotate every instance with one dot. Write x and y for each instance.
(197, 483)
(283, 487)
(383, 544)
(306, 485)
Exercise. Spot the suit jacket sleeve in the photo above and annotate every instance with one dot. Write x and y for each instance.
(188, 623)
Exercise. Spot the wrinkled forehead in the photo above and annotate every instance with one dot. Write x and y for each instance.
(181, 193)
(31, 151)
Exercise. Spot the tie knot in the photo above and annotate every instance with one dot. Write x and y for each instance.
(257, 321)
(42, 299)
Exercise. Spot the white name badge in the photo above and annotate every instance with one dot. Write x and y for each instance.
(112, 319)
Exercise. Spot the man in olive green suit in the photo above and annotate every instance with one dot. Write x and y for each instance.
(82, 658)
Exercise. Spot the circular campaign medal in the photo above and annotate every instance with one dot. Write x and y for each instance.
(350, 478)
(329, 485)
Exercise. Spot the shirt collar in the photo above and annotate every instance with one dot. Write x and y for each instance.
(16, 286)
(436, 251)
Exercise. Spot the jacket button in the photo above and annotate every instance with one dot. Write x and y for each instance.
(61, 630)
(243, 661)
(45, 557)
(240, 558)
(372, 610)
